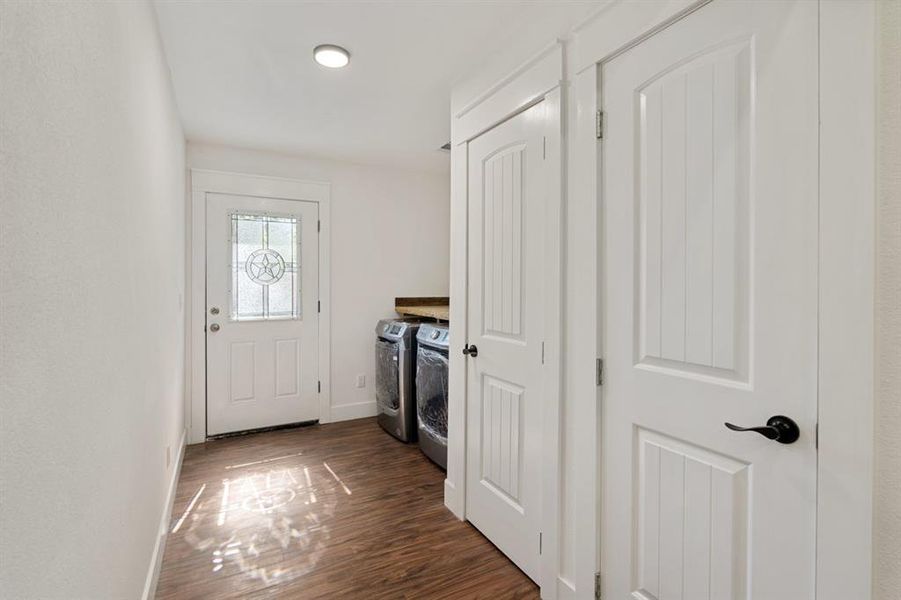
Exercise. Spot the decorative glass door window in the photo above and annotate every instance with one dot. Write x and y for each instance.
(265, 269)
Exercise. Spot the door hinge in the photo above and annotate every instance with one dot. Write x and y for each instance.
(816, 436)
(600, 371)
(319, 306)
(599, 124)
(318, 387)
(542, 352)
(318, 225)
(539, 542)
(544, 148)
(597, 585)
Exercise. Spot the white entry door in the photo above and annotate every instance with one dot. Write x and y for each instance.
(710, 307)
(262, 312)
(507, 202)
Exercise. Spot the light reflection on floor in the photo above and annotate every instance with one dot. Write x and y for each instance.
(260, 515)
(338, 479)
(264, 461)
(188, 510)
(340, 511)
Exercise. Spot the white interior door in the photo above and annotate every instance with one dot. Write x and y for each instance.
(507, 202)
(262, 312)
(709, 183)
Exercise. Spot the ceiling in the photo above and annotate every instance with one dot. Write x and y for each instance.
(244, 73)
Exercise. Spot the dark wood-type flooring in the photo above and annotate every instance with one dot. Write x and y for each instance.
(327, 511)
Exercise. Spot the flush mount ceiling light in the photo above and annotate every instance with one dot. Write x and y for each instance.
(331, 56)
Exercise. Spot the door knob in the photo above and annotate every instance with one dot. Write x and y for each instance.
(778, 428)
(470, 350)
(214, 327)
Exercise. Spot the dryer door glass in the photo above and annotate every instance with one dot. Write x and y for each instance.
(431, 393)
(387, 394)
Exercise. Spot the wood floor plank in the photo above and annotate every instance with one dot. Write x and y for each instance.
(332, 511)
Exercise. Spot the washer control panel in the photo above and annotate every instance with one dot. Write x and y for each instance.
(434, 335)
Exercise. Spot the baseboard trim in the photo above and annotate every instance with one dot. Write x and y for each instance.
(156, 559)
(347, 412)
(452, 501)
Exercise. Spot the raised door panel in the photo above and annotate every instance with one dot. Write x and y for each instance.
(287, 367)
(692, 223)
(242, 371)
(502, 257)
(502, 406)
(692, 507)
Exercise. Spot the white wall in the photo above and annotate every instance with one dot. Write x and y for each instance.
(887, 509)
(389, 237)
(91, 269)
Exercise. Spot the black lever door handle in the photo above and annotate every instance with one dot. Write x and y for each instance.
(470, 350)
(778, 428)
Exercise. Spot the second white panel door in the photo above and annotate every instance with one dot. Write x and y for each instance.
(507, 202)
(262, 312)
(710, 312)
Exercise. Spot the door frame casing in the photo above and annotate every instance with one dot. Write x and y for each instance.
(846, 278)
(203, 182)
(536, 80)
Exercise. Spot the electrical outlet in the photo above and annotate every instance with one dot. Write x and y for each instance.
(168, 456)
(361, 381)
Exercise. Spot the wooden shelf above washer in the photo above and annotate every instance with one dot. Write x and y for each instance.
(430, 307)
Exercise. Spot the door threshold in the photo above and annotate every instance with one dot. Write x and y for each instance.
(232, 434)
